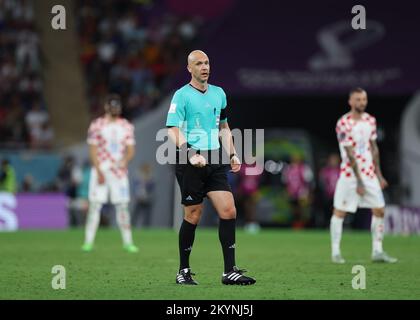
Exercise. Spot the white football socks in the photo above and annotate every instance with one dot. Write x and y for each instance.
(92, 222)
(377, 229)
(123, 220)
(336, 229)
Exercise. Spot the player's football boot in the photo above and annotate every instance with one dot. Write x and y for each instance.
(383, 257)
(236, 277)
(185, 277)
(87, 247)
(131, 248)
(337, 258)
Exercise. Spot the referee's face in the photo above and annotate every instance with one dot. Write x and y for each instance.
(358, 101)
(199, 67)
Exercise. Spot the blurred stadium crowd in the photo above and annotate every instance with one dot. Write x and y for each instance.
(124, 48)
(24, 120)
(131, 49)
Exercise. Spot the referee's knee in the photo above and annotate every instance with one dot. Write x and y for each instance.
(228, 213)
(193, 214)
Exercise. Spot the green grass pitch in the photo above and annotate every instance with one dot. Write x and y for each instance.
(286, 264)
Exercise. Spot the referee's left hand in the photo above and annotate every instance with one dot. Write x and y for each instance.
(235, 164)
(198, 161)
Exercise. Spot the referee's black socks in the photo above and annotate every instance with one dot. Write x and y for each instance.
(186, 240)
(227, 240)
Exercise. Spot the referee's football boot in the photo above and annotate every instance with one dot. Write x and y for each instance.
(236, 277)
(185, 277)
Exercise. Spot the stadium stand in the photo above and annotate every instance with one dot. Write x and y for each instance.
(21, 83)
(132, 49)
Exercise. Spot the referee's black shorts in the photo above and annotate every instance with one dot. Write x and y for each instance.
(196, 182)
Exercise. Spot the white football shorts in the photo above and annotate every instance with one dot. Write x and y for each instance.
(116, 190)
(347, 199)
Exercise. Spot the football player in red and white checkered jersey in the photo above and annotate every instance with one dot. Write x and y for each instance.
(111, 147)
(361, 181)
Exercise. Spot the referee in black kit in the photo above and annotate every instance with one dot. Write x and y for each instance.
(196, 118)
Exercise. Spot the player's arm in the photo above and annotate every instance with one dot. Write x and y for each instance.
(177, 137)
(129, 150)
(175, 119)
(93, 154)
(229, 146)
(128, 156)
(376, 161)
(355, 167)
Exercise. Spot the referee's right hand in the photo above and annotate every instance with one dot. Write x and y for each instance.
(198, 160)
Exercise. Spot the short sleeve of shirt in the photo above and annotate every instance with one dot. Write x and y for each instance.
(374, 134)
(344, 134)
(129, 139)
(224, 105)
(92, 138)
(176, 113)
